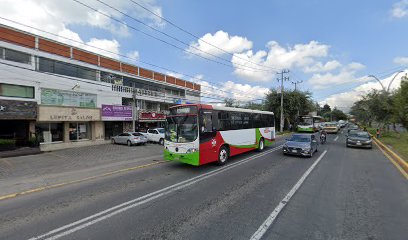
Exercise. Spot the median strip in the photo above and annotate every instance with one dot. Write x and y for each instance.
(400, 163)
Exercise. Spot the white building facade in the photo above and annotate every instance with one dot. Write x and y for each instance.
(63, 96)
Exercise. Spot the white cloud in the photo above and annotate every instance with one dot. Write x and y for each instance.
(229, 89)
(134, 55)
(400, 9)
(57, 16)
(346, 74)
(401, 60)
(221, 39)
(277, 57)
(346, 99)
(319, 67)
(111, 47)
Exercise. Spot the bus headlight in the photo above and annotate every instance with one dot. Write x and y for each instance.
(192, 150)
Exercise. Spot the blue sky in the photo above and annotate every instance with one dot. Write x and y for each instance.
(331, 45)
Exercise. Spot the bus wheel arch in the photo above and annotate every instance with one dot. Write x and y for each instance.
(223, 154)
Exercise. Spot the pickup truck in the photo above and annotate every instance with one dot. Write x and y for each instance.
(155, 135)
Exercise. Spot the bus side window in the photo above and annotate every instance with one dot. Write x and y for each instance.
(207, 125)
(246, 121)
(256, 120)
(224, 121)
(215, 121)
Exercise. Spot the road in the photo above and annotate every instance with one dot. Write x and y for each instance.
(348, 194)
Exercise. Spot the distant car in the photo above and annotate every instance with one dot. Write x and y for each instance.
(129, 138)
(359, 139)
(301, 145)
(352, 127)
(342, 123)
(155, 135)
(331, 127)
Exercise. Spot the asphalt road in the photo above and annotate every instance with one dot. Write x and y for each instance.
(349, 194)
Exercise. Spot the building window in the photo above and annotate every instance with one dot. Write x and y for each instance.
(49, 132)
(79, 131)
(15, 56)
(10, 90)
(67, 69)
(111, 78)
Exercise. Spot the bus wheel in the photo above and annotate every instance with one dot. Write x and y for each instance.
(261, 145)
(222, 156)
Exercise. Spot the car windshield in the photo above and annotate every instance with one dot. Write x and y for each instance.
(331, 125)
(181, 129)
(359, 135)
(297, 138)
(137, 134)
(161, 130)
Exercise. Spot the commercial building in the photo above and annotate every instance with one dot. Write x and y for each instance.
(65, 96)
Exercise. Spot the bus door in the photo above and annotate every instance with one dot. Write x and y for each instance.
(208, 141)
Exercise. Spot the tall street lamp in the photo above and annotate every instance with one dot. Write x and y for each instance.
(387, 90)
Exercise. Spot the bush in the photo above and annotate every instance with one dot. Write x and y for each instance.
(7, 144)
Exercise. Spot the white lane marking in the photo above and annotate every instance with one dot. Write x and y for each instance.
(268, 222)
(85, 222)
(336, 138)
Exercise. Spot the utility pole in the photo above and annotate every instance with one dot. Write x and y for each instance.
(282, 79)
(134, 108)
(296, 83)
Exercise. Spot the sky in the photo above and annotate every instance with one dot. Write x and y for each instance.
(235, 48)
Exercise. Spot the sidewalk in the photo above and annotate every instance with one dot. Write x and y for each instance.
(23, 151)
(28, 172)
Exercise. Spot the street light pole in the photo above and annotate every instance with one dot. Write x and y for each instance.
(134, 108)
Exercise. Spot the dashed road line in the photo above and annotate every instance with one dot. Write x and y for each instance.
(336, 138)
(271, 218)
(39, 189)
(105, 214)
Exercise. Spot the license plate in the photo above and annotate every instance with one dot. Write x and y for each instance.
(294, 151)
(359, 144)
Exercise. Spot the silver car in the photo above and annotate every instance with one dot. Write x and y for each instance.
(129, 138)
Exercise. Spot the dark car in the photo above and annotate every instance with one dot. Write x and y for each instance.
(359, 139)
(301, 145)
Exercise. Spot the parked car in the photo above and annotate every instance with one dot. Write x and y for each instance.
(331, 127)
(129, 138)
(359, 139)
(155, 135)
(301, 145)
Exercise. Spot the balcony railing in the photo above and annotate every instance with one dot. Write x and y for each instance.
(139, 91)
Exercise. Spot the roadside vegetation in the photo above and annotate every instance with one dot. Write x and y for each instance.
(385, 110)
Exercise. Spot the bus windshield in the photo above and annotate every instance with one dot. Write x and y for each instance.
(181, 129)
(305, 121)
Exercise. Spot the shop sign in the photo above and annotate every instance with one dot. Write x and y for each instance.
(116, 113)
(143, 116)
(57, 97)
(67, 114)
(10, 109)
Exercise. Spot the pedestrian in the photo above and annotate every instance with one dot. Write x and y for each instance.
(378, 133)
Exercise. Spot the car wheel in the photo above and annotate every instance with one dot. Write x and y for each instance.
(161, 141)
(222, 155)
(113, 141)
(261, 145)
(129, 143)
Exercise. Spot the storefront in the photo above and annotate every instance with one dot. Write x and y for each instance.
(17, 121)
(150, 119)
(63, 127)
(117, 119)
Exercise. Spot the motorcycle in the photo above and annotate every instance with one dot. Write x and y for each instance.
(323, 138)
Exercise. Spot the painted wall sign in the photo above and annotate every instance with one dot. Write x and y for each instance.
(67, 98)
(18, 110)
(67, 114)
(116, 113)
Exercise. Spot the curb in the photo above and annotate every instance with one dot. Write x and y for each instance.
(401, 162)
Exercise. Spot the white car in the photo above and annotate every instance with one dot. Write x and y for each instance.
(129, 138)
(155, 135)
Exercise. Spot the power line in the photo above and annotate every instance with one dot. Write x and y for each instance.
(161, 40)
(193, 35)
(118, 54)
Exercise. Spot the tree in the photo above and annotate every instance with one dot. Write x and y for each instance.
(338, 115)
(230, 102)
(400, 105)
(294, 102)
